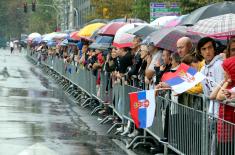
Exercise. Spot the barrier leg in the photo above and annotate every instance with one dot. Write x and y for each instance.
(78, 97)
(86, 102)
(96, 109)
(113, 126)
(109, 119)
(143, 142)
(106, 118)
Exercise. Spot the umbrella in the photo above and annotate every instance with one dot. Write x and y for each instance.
(111, 28)
(59, 35)
(142, 30)
(64, 42)
(176, 22)
(98, 21)
(88, 30)
(122, 38)
(162, 21)
(166, 38)
(102, 42)
(54, 36)
(34, 35)
(208, 11)
(218, 26)
(128, 20)
(51, 43)
(74, 36)
(37, 40)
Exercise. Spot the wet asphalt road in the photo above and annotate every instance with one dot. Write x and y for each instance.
(36, 118)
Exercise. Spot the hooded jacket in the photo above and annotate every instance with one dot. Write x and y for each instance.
(214, 73)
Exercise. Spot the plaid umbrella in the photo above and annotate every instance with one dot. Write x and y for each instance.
(167, 38)
(219, 26)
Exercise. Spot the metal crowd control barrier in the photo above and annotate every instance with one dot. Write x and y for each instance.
(189, 128)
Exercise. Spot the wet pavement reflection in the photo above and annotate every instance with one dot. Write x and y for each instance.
(37, 118)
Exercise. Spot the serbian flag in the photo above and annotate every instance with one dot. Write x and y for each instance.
(142, 108)
(183, 79)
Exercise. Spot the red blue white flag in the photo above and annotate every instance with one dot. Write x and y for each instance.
(183, 79)
(142, 108)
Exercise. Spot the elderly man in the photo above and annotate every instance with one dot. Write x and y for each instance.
(184, 46)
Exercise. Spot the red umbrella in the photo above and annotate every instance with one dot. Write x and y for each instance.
(75, 36)
(111, 28)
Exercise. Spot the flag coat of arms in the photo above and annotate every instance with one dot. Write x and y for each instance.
(142, 108)
(183, 79)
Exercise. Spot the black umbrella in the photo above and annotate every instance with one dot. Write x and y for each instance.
(209, 11)
(143, 31)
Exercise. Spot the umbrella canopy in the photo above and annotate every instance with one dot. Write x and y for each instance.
(102, 42)
(128, 20)
(111, 28)
(167, 38)
(122, 38)
(218, 26)
(162, 21)
(88, 30)
(34, 35)
(75, 36)
(176, 22)
(54, 36)
(142, 30)
(51, 43)
(98, 21)
(209, 11)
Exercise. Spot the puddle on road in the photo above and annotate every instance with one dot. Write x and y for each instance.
(29, 93)
(34, 117)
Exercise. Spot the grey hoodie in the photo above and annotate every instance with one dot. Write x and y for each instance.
(215, 74)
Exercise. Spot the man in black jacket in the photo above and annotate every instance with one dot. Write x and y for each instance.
(137, 61)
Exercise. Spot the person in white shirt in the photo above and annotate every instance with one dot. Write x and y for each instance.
(212, 69)
(12, 46)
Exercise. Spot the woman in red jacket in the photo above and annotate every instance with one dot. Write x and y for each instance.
(226, 121)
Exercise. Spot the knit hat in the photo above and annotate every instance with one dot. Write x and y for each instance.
(229, 67)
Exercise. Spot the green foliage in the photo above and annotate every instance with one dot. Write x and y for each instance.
(13, 20)
(139, 8)
(116, 9)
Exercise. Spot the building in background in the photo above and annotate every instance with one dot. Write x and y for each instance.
(72, 13)
(82, 9)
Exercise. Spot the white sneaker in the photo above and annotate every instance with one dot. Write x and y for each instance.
(101, 111)
(133, 134)
(126, 131)
(99, 119)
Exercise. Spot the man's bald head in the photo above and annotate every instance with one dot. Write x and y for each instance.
(184, 46)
